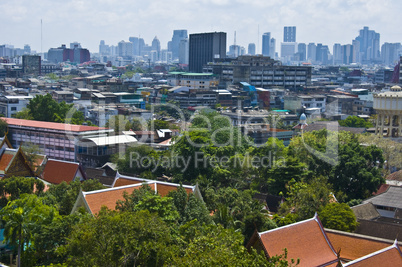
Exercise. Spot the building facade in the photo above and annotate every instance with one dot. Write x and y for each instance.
(388, 106)
(204, 48)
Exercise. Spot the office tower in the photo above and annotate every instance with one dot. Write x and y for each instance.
(289, 34)
(369, 42)
(242, 51)
(347, 54)
(125, 49)
(156, 46)
(390, 53)
(234, 51)
(183, 51)
(311, 52)
(138, 44)
(27, 49)
(288, 50)
(337, 51)
(318, 53)
(356, 51)
(178, 35)
(204, 47)
(251, 49)
(302, 52)
(62, 54)
(266, 43)
(74, 45)
(31, 64)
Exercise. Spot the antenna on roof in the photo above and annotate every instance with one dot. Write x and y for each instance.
(41, 39)
(234, 38)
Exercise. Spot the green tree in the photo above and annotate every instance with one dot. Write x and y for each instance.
(64, 195)
(305, 199)
(24, 114)
(338, 216)
(354, 121)
(119, 239)
(43, 108)
(13, 187)
(21, 217)
(358, 173)
(3, 127)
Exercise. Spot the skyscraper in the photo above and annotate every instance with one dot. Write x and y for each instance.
(289, 34)
(183, 51)
(204, 47)
(125, 49)
(156, 46)
(302, 51)
(268, 45)
(337, 51)
(369, 42)
(178, 35)
(311, 52)
(251, 49)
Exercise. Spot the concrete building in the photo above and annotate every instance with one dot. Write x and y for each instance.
(31, 65)
(259, 71)
(204, 48)
(10, 105)
(369, 44)
(200, 81)
(301, 102)
(63, 54)
(388, 106)
(125, 49)
(183, 51)
(178, 36)
(251, 49)
(56, 140)
(289, 34)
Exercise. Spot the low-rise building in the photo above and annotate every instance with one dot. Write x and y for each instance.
(56, 140)
(10, 105)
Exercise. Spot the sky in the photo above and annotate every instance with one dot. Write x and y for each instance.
(89, 21)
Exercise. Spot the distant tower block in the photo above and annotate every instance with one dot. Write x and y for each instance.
(388, 106)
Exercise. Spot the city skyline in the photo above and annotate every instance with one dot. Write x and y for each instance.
(88, 22)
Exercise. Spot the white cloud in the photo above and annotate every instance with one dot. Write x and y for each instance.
(89, 21)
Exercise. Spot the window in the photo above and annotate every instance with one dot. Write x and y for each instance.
(13, 108)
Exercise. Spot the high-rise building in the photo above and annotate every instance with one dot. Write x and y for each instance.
(288, 50)
(311, 52)
(183, 51)
(266, 43)
(251, 49)
(390, 53)
(302, 52)
(125, 49)
(234, 51)
(138, 44)
(62, 54)
(31, 64)
(27, 50)
(347, 54)
(369, 42)
(204, 47)
(337, 51)
(178, 35)
(289, 34)
(74, 45)
(156, 46)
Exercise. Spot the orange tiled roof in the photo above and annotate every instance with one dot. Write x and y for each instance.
(397, 176)
(52, 125)
(390, 256)
(305, 240)
(56, 171)
(108, 197)
(354, 246)
(5, 160)
(122, 181)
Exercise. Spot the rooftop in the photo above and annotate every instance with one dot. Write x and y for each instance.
(52, 125)
(390, 198)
